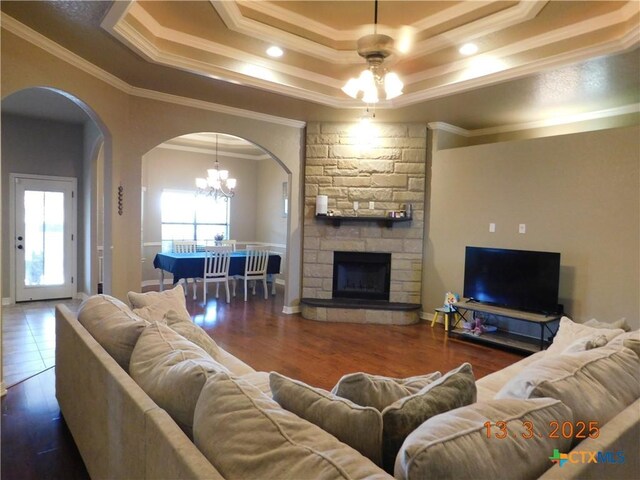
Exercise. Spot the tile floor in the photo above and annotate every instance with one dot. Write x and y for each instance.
(29, 338)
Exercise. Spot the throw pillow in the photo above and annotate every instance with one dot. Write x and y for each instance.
(159, 303)
(595, 384)
(245, 434)
(114, 326)
(193, 333)
(456, 444)
(569, 332)
(621, 323)
(172, 371)
(358, 427)
(455, 389)
(377, 391)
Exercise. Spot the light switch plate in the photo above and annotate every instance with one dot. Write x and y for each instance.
(492, 227)
(522, 228)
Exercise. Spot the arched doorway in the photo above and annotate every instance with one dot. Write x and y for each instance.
(257, 213)
(48, 132)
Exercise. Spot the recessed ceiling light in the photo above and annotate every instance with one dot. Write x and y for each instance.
(468, 49)
(274, 51)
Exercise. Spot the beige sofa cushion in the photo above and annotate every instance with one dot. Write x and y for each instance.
(154, 305)
(569, 332)
(454, 445)
(172, 371)
(453, 390)
(192, 332)
(114, 326)
(595, 384)
(377, 391)
(357, 426)
(245, 434)
(621, 323)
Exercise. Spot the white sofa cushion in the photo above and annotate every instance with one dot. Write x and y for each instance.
(114, 326)
(453, 390)
(192, 332)
(377, 391)
(569, 332)
(595, 384)
(245, 434)
(154, 305)
(455, 445)
(357, 426)
(172, 371)
(621, 323)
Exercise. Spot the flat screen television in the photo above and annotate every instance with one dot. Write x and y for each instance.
(517, 279)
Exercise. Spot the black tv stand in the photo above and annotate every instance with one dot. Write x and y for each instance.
(503, 338)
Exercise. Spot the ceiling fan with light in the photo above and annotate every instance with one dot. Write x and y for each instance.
(375, 79)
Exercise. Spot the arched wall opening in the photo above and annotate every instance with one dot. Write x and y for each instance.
(47, 131)
(257, 213)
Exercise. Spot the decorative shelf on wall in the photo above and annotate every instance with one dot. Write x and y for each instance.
(337, 220)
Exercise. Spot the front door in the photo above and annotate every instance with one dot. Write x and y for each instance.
(45, 237)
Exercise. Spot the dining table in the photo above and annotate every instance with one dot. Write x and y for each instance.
(191, 265)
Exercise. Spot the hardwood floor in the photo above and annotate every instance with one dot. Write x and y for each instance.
(36, 443)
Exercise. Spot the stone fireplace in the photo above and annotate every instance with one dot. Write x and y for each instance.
(389, 174)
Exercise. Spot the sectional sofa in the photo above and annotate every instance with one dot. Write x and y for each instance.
(132, 416)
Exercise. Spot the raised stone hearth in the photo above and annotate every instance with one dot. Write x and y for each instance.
(391, 174)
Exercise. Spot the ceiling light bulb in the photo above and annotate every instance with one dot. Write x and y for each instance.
(370, 95)
(392, 85)
(468, 49)
(224, 174)
(213, 173)
(231, 183)
(201, 182)
(275, 52)
(352, 88)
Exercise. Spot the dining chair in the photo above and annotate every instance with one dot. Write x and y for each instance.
(216, 269)
(255, 268)
(186, 246)
(229, 243)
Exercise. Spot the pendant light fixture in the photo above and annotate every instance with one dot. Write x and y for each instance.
(217, 184)
(375, 79)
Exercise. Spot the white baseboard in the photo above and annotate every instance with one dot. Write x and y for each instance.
(155, 283)
(290, 310)
(7, 301)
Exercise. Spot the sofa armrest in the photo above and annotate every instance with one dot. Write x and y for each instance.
(102, 406)
(620, 434)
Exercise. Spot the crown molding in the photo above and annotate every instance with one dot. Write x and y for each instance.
(139, 42)
(22, 31)
(234, 20)
(552, 122)
(212, 151)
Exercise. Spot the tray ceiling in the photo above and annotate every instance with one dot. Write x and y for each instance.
(227, 40)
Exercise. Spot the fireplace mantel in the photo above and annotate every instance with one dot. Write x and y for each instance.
(336, 220)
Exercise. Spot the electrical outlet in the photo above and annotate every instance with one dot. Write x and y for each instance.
(492, 227)
(372, 205)
(356, 205)
(522, 228)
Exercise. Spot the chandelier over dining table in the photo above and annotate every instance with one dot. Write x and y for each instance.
(217, 184)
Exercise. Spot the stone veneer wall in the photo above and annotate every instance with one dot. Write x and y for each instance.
(391, 173)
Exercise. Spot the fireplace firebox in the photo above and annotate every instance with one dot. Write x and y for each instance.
(361, 275)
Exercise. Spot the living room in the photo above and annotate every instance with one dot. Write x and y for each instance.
(574, 183)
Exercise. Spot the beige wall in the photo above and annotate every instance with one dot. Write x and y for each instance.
(271, 224)
(132, 126)
(578, 194)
